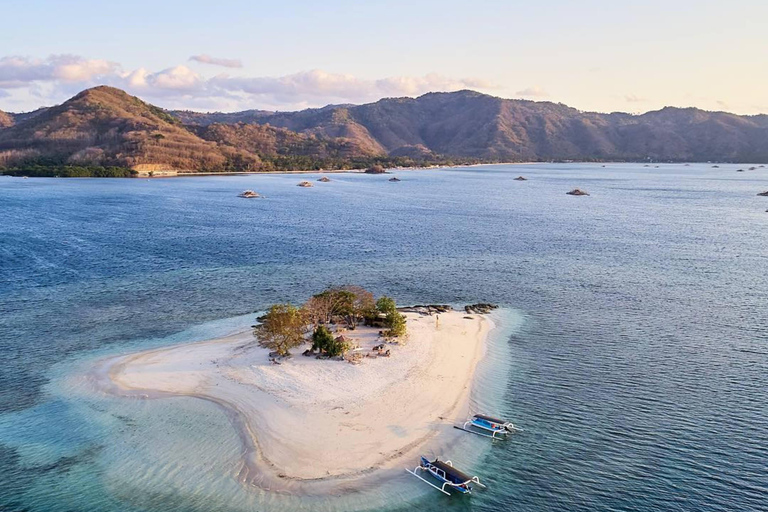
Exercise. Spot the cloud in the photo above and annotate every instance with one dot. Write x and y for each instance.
(217, 61)
(54, 79)
(324, 87)
(175, 80)
(16, 71)
(631, 98)
(533, 92)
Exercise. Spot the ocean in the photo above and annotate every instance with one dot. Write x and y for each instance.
(632, 348)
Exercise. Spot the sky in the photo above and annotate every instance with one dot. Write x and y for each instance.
(229, 55)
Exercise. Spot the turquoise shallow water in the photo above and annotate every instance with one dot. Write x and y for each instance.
(635, 354)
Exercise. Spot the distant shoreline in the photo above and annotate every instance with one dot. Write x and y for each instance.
(187, 174)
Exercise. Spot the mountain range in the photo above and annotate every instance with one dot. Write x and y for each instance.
(106, 127)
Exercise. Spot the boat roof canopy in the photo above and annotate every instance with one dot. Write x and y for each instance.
(489, 418)
(451, 473)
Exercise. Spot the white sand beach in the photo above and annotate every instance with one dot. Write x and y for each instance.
(310, 425)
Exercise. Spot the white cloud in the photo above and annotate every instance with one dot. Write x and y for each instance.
(58, 77)
(217, 61)
(179, 78)
(324, 87)
(533, 92)
(16, 71)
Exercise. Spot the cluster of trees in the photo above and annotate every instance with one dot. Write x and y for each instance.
(204, 159)
(69, 171)
(285, 326)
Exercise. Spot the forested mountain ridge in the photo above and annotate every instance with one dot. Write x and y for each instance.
(106, 127)
(472, 124)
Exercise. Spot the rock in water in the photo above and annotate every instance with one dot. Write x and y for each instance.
(305, 184)
(376, 169)
(483, 308)
(325, 179)
(521, 178)
(764, 194)
(249, 194)
(577, 192)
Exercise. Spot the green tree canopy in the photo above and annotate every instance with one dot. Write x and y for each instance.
(395, 321)
(282, 328)
(396, 324)
(349, 302)
(324, 342)
(386, 304)
(322, 338)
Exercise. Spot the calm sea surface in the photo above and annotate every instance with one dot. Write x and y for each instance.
(634, 336)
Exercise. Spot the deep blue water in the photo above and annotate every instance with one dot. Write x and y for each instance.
(640, 372)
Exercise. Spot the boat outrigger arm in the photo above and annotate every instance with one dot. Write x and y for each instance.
(444, 471)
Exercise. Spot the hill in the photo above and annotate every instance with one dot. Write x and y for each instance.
(471, 124)
(280, 148)
(106, 127)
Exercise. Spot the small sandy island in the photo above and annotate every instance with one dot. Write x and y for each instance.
(310, 425)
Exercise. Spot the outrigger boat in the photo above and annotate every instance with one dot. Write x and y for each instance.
(444, 471)
(495, 426)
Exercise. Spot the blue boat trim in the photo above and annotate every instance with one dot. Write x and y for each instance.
(444, 471)
(495, 426)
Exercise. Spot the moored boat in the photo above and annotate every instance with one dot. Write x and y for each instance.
(495, 426)
(444, 472)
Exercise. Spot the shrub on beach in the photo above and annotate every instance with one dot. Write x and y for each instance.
(394, 320)
(386, 304)
(322, 338)
(324, 342)
(396, 323)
